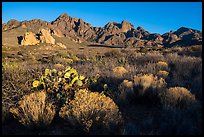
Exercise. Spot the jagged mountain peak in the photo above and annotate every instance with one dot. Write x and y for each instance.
(63, 15)
(113, 32)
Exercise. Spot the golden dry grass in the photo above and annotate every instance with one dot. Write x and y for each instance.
(119, 71)
(89, 109)
(148, 80)
(33, 110)
(59, 65)
(177, 97)
(162, 63)
(127, 83)
(163, 73)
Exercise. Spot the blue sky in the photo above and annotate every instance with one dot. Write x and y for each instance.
(155, 17)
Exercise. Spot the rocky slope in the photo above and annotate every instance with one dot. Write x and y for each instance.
(113, 33)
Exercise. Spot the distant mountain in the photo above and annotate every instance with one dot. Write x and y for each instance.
(113, 33)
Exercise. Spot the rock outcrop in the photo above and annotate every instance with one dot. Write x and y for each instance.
(45, 37)
(29, 38)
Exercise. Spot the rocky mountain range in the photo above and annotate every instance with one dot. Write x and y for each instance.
(113, 33)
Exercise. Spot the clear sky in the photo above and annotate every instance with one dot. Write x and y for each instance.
(155, 17)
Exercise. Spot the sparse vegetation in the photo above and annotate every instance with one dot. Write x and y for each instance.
(100, 90)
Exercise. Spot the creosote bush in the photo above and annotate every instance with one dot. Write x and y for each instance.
(92, 111)
(177, 97)
(34, 111)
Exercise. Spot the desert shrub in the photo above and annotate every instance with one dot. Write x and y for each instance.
(177, 97)
(196, 87)
(16, 81)
(140, 59)
(34, 110)
(174, 121)
(185, 72)
(147, 87)
(91, 111)
(119, 71)
(113, 53)
(192, 65)
(148, 80)
(162, 64)
(126, 93)
(163, 73)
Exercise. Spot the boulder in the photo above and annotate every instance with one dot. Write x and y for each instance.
(45, 37)
(29, 38)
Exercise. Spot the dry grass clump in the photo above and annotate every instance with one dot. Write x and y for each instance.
(163, 73)
(148, 80)
(177, 97)
(34, 111)
(59, 66)
(119, 71)
(91, 110)
(126, 91)
(147, 87)
(127, 83)
(162, 63)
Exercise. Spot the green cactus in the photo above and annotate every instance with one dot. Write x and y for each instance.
(81, 77)
(79, 83)
(47, 72)
(36, 83)
(67, 75)
(62, 83)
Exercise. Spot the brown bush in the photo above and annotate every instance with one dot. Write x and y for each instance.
(163, 73)
(147, 87)
(34, 111)
(126, 92)
(162, 65)
(148, 81)
(119, 71)
(90, 110)
(177, 97)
